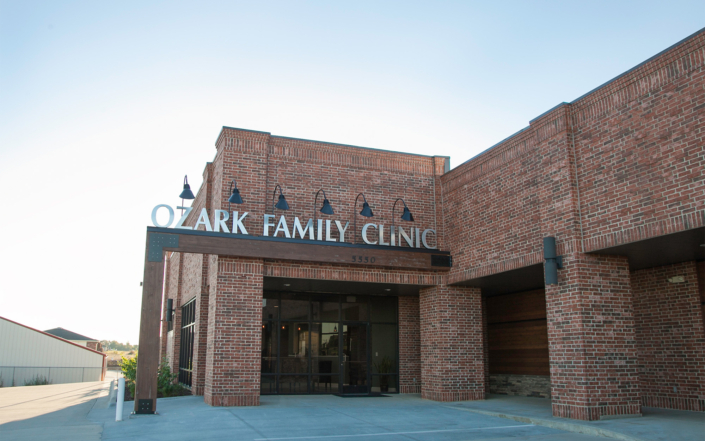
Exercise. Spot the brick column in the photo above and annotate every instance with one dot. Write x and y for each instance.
(409, 346)
(592, 346)
(234, 332)
(452, 353)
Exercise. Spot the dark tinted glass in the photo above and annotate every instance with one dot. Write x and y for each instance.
(270, 306)
(268, 384)
(384, 383)
(355, 308)
(384, 349)
(324, 384)
(325, 308)
(293, 384)
(294, 348)
(383, 309)
(294, 307)
(269, 347)
(324, 339)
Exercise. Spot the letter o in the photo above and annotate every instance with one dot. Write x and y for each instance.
(154, 216)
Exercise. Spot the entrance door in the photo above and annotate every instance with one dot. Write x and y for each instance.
(354, 365)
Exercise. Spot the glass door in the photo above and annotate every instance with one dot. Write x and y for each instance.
(354, 359)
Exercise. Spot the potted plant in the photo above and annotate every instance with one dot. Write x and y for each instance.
(384, 366)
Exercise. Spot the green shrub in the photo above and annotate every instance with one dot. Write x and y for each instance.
(167, 385)
(128, 366)
(38, 380)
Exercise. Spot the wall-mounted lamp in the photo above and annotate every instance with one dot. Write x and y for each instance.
(186, 193)
(235, 197)
(366, 212)
(553, 262)
(406, 215)
(281, 203)
(169, 310)
(325, 209)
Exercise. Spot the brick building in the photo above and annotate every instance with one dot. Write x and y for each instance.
(616, 176)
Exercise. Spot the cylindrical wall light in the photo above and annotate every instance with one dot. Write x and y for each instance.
(169, 310)
(553, 262)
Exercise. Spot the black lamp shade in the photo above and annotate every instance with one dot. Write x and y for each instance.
(281, 204)
(326, 208)
(407, 215)
(366, 210)
(187, 193)
(235, 197)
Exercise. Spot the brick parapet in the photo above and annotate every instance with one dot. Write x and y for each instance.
(592, 343)
(670, 337)
(631, 159)
(452, 344)
(662, 69)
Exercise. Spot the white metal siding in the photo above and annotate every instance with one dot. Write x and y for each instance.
(25, 353)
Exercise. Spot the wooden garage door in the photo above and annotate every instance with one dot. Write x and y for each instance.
(517, 333)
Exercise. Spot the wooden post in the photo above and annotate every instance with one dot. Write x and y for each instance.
(148, 360)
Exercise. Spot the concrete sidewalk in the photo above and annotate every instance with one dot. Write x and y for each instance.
(54, 412)
(655, 424)
(320, 418)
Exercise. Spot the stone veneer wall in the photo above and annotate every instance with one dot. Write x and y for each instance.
(522, 385)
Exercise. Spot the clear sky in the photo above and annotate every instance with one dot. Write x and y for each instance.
(104, 106)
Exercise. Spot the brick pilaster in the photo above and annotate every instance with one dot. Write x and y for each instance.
(594, 371)
(234, 332)
(409, 345)
(452, 349)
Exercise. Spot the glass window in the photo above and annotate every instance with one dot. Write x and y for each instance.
(294, 348)
(268, 384)
(324, 339)
(355, 308)
(325, 308)
(324, 384)
(384, 383)
(294, 307)
(383, 309)
(293, 384)
(384, 349)
(269, 347)
(270, 306)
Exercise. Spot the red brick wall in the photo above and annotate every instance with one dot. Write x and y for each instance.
(640, 153)
(409, 345)
(234, 334)
(259, 161)
(452, 366)
(670, 337)
(592, 346)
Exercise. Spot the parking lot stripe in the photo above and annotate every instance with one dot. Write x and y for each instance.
(469, 429)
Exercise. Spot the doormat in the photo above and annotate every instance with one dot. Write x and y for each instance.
(361, 395)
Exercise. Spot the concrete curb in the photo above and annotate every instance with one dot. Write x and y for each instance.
(560, 425)
(104, 401)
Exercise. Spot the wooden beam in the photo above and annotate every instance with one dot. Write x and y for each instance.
(148, 360)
